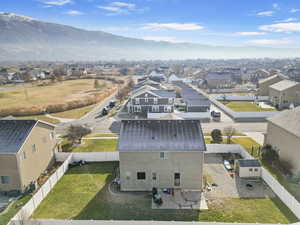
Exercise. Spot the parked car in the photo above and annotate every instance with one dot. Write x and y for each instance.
(227, 165)
(104, 111)
(216, 116)
(112, 104)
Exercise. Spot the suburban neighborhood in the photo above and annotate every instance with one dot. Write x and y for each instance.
(165, 145)
(149, 112)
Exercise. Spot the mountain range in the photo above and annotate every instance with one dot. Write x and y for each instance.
(23, 38)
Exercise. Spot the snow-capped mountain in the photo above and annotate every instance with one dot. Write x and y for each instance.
(25, 38)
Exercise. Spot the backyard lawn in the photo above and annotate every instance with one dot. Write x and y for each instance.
(242, 106)
(91, 145)
(13, 209)
(82, 193)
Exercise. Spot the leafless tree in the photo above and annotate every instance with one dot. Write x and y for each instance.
(229, 132)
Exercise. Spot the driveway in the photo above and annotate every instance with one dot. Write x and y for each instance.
(228, 187)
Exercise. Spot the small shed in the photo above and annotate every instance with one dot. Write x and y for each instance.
(248, 168)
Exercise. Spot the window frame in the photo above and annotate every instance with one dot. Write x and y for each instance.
(141, 175)
(4, 181)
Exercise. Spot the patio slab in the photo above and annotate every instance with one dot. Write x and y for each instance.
(181, 200)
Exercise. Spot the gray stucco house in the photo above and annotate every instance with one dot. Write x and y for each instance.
(161, 154)
(151, 101)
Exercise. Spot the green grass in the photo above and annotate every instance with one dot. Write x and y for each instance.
(82, 194)
(101, 135)
(248, 143)
(74, 113)
(238, 106)
(92, 145)
(14, 208)
(39, 117)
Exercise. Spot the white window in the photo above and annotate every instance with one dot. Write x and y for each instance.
(146, 99)
(23, 155)
(33, 148)
(167, 108)
(170, 100)
(155, 100)
(51, 135)
(163, 155)
(137, 108)
(5, 179)
(137, 101)
(155, 108)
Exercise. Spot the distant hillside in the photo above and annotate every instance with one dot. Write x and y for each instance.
(24, 38)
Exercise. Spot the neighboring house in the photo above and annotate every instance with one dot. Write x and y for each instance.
(248, 168)
(197, 105)
(26, 150)
(263, 85)
(285, 93)
(173, 77)
(219, 80)
(283, 134)
(194, 101)
(156, 76)
(161, 154)
(152, 101)
(149, 83)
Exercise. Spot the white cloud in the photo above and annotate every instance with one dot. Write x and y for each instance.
(275, 5)
(161, 38)
(265, 13)
(119, 8)
(58, 2)
(294, 10)
(281, 27)
(250, 33)
(270, 42)
(291, 19)
(123, 4)
(74, 12)
(173, 26)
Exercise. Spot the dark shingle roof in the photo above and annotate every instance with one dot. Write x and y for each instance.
(165, 93)
(13, 133)
(249, 163)
(161, 135)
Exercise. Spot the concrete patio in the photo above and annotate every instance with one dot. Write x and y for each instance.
(181, 200)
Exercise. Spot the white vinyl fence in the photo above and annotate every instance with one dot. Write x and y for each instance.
(278, 189)
(88, 156)
(38, 197)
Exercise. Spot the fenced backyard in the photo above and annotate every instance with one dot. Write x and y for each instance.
(38, 197)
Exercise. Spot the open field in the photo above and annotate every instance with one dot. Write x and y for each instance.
(238, 106)
(54, 97)
(95, 145)
(13, 209)
(82, 193)
(74, 113)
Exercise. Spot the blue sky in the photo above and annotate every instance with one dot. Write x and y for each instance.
(214, 22)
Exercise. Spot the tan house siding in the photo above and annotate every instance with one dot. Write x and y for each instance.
(188, 164)
(9, 167)
(284, 98)
(287, 144)
(264, 85)
(38, 161)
